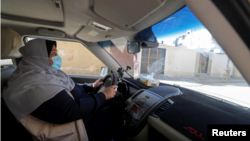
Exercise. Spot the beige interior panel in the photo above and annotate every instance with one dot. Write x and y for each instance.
(41, 9)
(122, 12)
(11, 41)
(142, 136)
(169, 8)
(76, 14)
(93, 35)
(166, 130)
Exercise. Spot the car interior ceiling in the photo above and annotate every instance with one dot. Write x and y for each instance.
(74, 21)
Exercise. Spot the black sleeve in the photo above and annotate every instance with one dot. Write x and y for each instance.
(63, 108)
(88, 87)
(80, 90)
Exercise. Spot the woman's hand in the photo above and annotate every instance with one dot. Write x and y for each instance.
(97, 83)
(110, 92)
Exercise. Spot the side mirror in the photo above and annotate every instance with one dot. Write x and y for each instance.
(104, 71)
(133, 48)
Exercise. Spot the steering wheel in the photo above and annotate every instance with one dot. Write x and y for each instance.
(109, 80)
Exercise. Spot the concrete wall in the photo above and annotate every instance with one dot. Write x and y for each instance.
(236, 73)
(180, 62)
(77, 59)
(183, 62)
(219, 65)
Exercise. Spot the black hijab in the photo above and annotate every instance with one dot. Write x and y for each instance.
(49, 45)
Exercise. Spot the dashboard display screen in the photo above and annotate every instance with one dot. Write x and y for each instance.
(135, 109)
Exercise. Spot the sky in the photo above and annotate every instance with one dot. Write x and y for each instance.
(177, 24)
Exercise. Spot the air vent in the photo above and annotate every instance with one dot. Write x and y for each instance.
(163, 107)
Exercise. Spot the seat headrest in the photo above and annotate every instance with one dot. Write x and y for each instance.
(11, 41)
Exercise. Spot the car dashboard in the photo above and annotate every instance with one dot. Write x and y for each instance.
(143, 103)
(176, 113)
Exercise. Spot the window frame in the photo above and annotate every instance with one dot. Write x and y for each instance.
(25, 40)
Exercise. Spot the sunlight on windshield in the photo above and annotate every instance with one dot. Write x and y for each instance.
(189, 56)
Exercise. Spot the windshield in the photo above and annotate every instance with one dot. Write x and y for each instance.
(188, 56)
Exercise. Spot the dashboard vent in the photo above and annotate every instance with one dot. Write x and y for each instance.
(163, 107)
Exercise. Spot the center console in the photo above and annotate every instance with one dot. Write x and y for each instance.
(141, 104)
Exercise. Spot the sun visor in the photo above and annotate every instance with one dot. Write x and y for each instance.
(45, 10)
(126, 13)
(91, 34)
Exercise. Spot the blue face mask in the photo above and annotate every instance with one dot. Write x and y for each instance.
(57, 62)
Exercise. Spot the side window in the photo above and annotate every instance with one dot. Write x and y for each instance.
(6, 62)
(78, 60)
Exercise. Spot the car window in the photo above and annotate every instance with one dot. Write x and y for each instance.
(77, 59)
(194, 59)
(188, 55)
(6, 62)
(117, 48)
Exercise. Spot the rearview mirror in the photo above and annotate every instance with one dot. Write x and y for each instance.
(133, 48)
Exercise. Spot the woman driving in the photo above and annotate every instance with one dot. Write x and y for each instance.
(39, 88)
